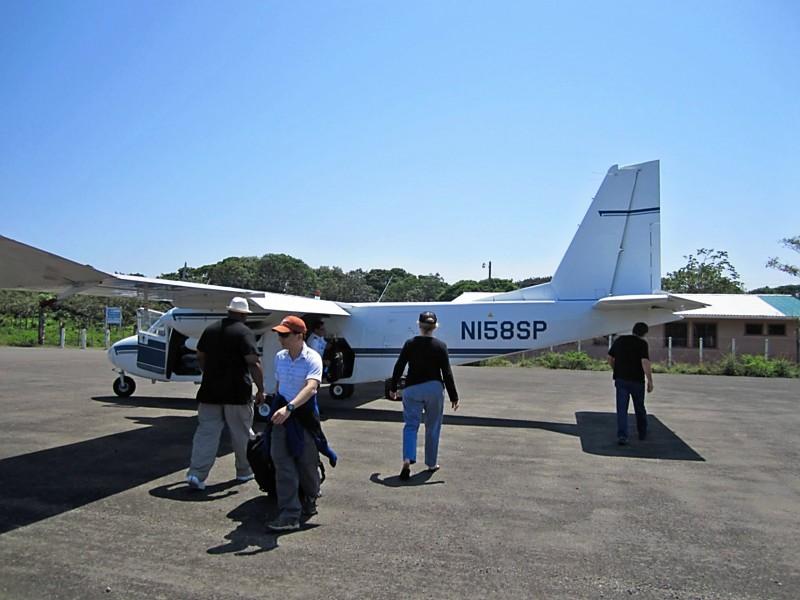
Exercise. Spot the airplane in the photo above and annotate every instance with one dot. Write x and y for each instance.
(608, 279)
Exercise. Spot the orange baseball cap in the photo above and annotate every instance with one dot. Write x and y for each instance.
(291, 324)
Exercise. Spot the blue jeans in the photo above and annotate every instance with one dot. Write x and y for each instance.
(625, 390)
(427, 398)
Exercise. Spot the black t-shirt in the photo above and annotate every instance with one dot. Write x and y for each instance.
(226, 378)
(628, 352)
(427, 360)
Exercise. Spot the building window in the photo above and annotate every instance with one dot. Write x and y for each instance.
(776, 329)
(679, 332)
(707, 331)
(754, 329)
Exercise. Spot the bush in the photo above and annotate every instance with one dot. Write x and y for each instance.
(747, 365)
(496, 361)
(783, 368)
(729, 366)
(756, 366)
(744, 365)
(570, 360)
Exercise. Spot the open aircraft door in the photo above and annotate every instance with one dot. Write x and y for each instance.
(151, 350)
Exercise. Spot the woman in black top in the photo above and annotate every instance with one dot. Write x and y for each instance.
(428, 370)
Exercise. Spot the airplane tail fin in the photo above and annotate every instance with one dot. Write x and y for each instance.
(617, 248)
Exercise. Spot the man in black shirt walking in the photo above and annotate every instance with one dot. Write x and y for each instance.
(227, 356)
(629, 356)
(428, 373)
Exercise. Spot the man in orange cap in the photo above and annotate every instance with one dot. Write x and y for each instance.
(298, 370)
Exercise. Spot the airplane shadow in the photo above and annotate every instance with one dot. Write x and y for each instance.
(396, 416)
(150, 402)
(46, 483)
(250, 536)
(596, 431)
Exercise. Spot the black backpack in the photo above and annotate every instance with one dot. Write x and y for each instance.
(260, 460)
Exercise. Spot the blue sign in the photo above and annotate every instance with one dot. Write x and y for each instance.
(113, 315)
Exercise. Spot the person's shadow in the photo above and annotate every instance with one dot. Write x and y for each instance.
(251, 536)
(181, 492)
(421, 478)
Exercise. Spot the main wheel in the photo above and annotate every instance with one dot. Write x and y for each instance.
(341, 391)
(124, 388)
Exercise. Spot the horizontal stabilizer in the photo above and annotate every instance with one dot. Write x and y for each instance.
(666, 301)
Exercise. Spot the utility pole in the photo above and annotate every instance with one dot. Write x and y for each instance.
(490, 270)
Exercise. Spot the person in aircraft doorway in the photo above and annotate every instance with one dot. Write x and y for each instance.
(428, 373)
(316, 341)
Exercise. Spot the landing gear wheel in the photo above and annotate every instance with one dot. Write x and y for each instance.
(341, 391)
(124, 386)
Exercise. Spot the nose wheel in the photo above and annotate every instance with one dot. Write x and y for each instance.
(124, 386)
(341, 391)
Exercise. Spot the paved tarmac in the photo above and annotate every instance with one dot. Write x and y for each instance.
(534, 498)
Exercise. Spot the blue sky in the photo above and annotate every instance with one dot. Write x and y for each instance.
(432, 136)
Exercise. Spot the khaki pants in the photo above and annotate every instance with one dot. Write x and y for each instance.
(211, 418)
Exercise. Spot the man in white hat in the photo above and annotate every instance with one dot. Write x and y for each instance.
(227, 356)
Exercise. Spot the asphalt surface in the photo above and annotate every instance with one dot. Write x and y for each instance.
(534, 498)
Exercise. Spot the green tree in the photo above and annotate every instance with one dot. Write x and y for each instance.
(286, 275)
(412, 288)
(470, 285)
(710, 272)
(794, 290)
(378, 279)
(187, 273)
(335, 284)
(523, 283)
(235, 271)
(793, 243)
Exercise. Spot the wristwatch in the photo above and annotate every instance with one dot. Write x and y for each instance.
(290, 407)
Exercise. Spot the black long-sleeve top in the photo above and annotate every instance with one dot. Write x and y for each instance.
(427, 360)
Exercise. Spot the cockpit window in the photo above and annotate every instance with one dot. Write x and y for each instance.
(151, 321)
(158, 328)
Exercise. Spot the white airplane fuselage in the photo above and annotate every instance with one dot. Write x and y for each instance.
(375, 332)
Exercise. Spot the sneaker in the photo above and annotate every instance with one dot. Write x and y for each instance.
(622, 441)
(195, 483)
(244, 478)
(280, 524)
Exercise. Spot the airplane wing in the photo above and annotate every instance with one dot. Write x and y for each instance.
(26, 268)
(667, 301)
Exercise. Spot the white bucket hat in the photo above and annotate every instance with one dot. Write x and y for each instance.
(239, 305)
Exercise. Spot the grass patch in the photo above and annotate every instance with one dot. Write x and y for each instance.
(745, 365)
(24, 332)
(570, 360)
(551, 360)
